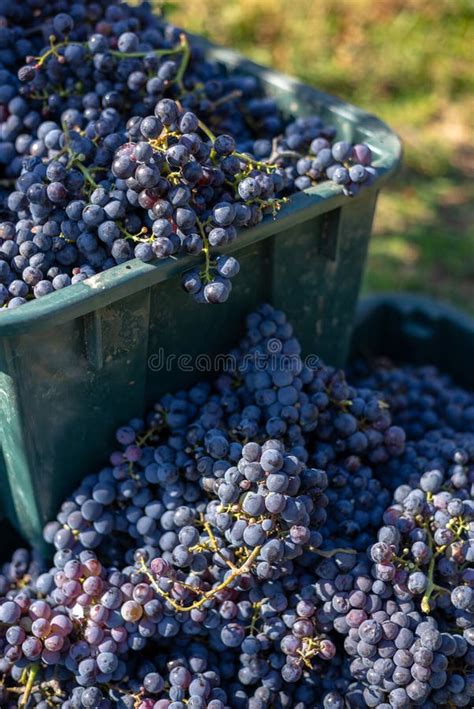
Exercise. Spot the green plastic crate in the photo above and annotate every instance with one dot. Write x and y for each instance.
(417, 330)
(78, 363)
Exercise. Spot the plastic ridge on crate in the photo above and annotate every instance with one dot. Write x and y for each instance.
(76, 364)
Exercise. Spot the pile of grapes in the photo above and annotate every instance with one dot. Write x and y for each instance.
(268, 540)
(120, 139)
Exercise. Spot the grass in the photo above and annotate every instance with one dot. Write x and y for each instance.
(410, 62)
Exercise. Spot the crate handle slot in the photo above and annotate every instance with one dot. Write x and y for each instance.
(93, 339)
(329, 234)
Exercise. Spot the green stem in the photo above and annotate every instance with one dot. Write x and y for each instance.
(32, 672)
(75, 160)
(241, 156)
(274, 203)
(206, 250)
(141, 440)
(182, 47)
(332, 552)
(425, 601)
(255, 617)
(432, 587)
(136, 237)
(140, 55)
(207, 131)
(53, 50)
(275, 155)
(85, 172)
(186, 49)
(256, 163)
(224, 99)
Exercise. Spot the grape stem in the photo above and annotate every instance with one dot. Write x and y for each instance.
(275, 154)
(32, 672)
(332, 552)
(141, 440)
(310, 648)
(54, 48)
(136, 237)
(431, 587)
(215, 546)
(52, 51)
(207, 131)
(206, 250)
(274, 203)
(224, 99)
(241, 156)
(255, 163)
(131, 471)
(284, 154)
(85, 172)
(186, 49)
(75, 159)
(255, 617)
(239, 571)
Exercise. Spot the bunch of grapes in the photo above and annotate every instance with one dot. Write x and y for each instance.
(427, 543)
(356, 503)
(242, 548)
(32, 630)
(399, 654)
(421, 399)
(123, 140)
(23, 568)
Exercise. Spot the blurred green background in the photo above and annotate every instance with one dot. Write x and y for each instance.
(411, 63)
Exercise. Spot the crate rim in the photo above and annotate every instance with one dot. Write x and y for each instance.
(411, 303)
(120, 281)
